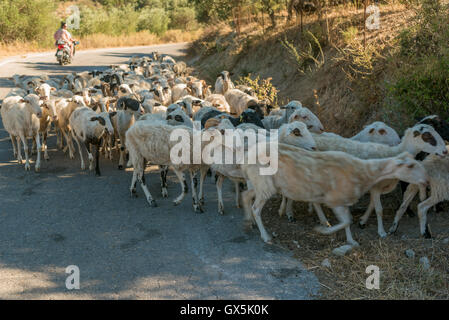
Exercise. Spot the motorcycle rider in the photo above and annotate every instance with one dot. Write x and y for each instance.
(64, 35)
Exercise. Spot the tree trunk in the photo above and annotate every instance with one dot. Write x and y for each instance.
(272, 17)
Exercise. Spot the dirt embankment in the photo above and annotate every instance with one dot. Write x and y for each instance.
(345, 85)
(337, 79)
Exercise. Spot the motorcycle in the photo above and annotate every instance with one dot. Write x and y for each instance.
(63, 52)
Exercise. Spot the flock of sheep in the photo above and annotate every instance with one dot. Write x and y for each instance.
(134, 108)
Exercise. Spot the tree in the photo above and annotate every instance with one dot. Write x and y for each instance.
(270, 7)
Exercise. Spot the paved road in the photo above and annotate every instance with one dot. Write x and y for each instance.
(124, 249)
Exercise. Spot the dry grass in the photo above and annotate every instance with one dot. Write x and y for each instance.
(105, 41)
(348, 101)
(400, 277)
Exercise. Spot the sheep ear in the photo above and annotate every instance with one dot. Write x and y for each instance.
(382, 132)
(22, 101)
(429, 138)
(52, 89)
(99, 119)
(371, 131)
(297, 132)
(416, 133)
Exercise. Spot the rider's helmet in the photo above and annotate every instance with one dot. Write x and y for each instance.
(63, 24)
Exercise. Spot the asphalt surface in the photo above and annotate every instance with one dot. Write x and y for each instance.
(124, 249)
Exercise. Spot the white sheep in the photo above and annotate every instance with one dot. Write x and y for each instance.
(150, 141)
(239, 101)
(49, 114)
(178, 117)
(219, 102)
(437, 169)
(333, 178)
(295, 133)
(89, 127)
(64, 108)
(308, 117)
(223, 83)
(20, 117)
(127, 112)
(420, 138)
(378, 132)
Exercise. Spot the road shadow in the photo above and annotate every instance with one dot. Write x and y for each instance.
(55, 68)
(124, 249)
(181, 56)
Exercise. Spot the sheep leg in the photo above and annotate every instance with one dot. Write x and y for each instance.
(289, 210)
(58, 139)
(25, 149)
(44, 145)
(122, 152)
(281, 211)
(237, 194)
(37, 166)
(321, 215)
(196, 205)
(88, 146)
(164, 172)
(65, 135)
(256, 210)
(364, 218)
(203, 173)
(422, 215)
(83, 166)
(69, 145)
(344, 217)
(133, 184)
(13, 142)
(219, 185)
(404, 185)
(33, 148)
(379, 214)
(97, 160)
(310, 208)
(141, 179)
(109, 145)
(185, 189)
(247, 198)
(19, 150)
(409, 194)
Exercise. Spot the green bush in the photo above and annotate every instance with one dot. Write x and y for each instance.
(424, 89)
(154, 20)
(263, 88)
(421, 84)
(110, 21)
(27, 20)
(183, 18)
